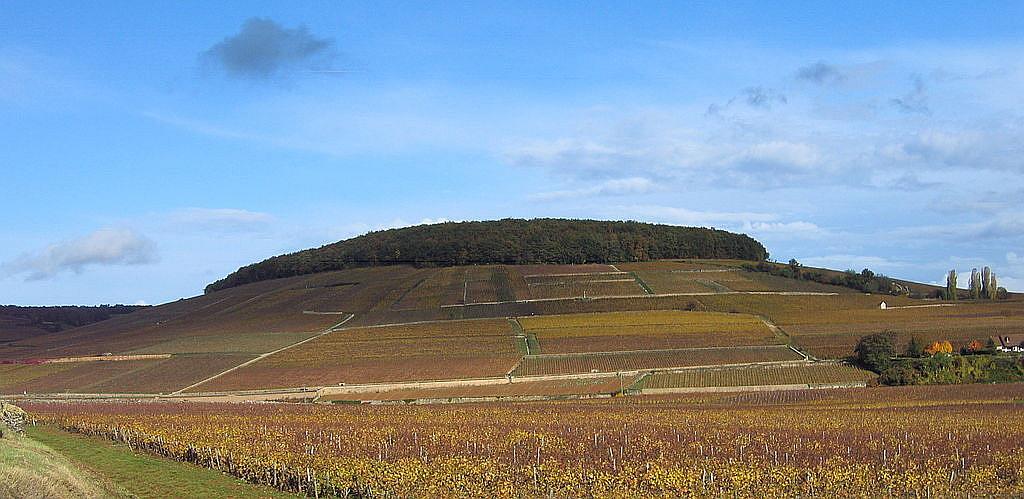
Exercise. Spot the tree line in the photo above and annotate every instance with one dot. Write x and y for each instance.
(865, 281)
(508, 241)
(982, 286)
(937, 362)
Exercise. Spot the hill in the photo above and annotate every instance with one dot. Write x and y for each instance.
(18, 323)
(555, 329)
(509, 241)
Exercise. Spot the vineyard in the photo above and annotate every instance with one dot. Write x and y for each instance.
(541, 365)
(444, 350)
(457, 326)
(809, 374)
(131, 376)
(605, 385)
(668, 329)
(935, 442)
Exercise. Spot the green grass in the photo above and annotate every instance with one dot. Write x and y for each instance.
(31, 469)
(144, 475)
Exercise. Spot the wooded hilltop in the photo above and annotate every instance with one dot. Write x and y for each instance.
(508, 241)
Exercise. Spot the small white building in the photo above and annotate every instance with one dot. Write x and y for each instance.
(883, 305)
(1010, 343)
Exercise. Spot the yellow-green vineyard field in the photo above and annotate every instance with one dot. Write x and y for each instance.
(555, 364)
(806, 374)
(881, 442)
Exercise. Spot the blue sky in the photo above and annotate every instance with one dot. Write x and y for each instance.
(147, 149)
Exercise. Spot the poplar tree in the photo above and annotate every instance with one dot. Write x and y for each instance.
(976, 285)
(993, 288)
(986, 275)
(951, 285)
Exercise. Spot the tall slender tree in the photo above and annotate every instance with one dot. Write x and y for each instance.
(951, 285)
(976, 285)
(993, 287)
(986, 275)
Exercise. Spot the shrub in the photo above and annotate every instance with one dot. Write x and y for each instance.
(875, 352)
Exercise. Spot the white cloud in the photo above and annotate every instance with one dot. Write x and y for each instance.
(855, 262)
(793, 229)
(683, 216)
(103, 247)
(781, 153)
(220, 219)
(614, 187)
(998, 226)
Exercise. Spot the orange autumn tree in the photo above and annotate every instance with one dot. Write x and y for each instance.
(939, 347)
(975, 346)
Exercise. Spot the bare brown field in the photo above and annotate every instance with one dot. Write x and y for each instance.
(541, 365)
(449, 350)
(668, 329)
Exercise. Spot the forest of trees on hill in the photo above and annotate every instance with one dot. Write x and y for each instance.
(509, 241)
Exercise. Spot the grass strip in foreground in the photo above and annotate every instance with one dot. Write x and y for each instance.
(143, 475)
(31, 469)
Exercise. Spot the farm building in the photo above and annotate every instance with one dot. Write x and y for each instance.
(883, 305)
(1010, 343)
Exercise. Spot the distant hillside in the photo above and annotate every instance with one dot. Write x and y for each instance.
(509, 241)
(23, 322)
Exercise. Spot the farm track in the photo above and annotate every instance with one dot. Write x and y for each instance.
(260, 357)
(647, 289)
(786, 338)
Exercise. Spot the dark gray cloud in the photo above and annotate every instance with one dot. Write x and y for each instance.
(821, 73)
(103, 247)
(264, 48)
(915, 101)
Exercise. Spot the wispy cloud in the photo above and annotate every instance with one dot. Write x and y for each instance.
(263, 49)
(103, 247)
(821, 73)
(914, 101)
(614, 187)
(763, 97)
(797, 229)
(220, 219)
(685, 216)
(854, 262)
(756, 97)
